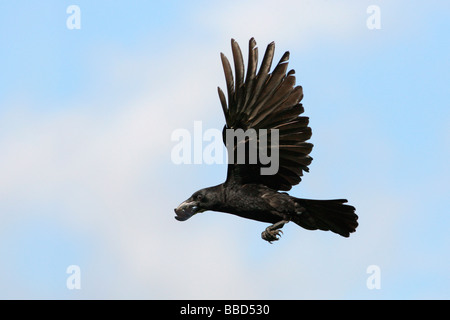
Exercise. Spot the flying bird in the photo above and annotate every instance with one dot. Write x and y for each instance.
(263, 105)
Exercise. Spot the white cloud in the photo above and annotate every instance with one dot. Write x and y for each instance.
(297, 23)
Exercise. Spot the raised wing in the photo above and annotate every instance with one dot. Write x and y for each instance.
(264, 100)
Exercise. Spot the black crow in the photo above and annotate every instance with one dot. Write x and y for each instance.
(262, 118)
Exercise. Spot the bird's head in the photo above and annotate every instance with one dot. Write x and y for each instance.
(202, 200)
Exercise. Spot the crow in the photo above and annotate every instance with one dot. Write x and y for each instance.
(260, 106)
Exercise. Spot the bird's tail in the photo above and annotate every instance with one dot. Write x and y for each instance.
(333, 215)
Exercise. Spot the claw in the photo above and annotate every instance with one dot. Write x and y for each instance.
(272, 233)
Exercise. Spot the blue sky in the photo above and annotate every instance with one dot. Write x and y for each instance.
(86, 176)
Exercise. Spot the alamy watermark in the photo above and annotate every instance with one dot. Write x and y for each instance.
(373, 21)
(374, 280)
(73, 281)
(74, 20)
(251, 146)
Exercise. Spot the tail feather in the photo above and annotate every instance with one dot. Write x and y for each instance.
(326, 215)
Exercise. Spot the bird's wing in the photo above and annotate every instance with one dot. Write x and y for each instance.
(265, 100)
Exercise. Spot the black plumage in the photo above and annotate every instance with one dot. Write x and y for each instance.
(267, 103)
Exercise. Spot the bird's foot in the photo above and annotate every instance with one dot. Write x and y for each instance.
(272, 233)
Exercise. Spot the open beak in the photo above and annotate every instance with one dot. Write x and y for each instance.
(186, 210)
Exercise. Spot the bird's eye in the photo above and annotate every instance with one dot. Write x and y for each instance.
(199, 197)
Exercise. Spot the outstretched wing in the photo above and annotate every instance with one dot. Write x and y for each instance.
(264, 100)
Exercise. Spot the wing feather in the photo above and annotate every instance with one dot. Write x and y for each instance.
(251, 70)
(230, 85)
(239, 73)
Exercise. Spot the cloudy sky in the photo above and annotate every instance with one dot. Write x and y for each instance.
(87, 179)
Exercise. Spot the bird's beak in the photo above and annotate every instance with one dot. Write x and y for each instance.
(186, 210)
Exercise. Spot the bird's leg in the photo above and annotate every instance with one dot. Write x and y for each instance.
(272, 233)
